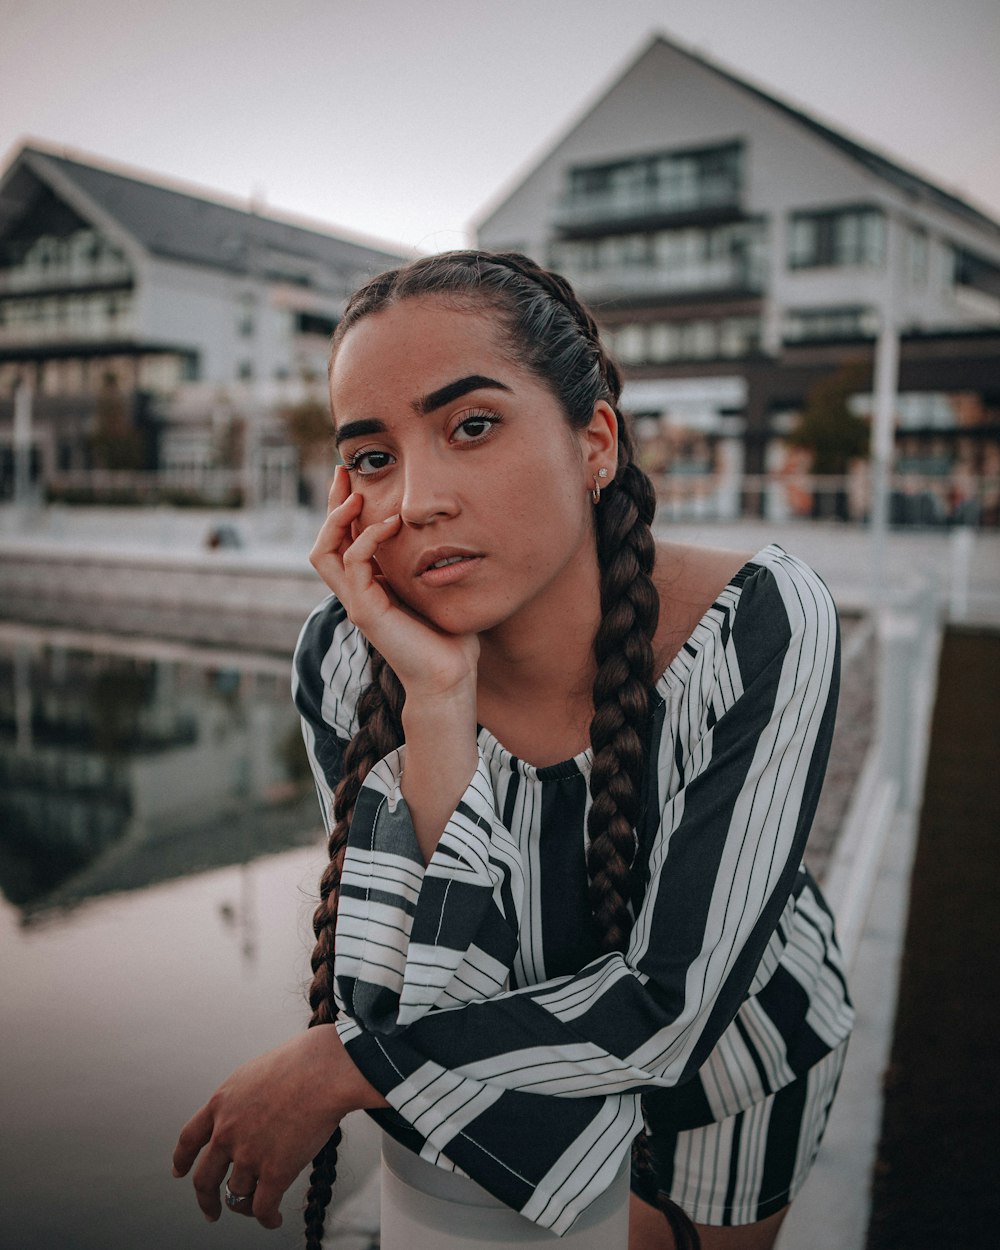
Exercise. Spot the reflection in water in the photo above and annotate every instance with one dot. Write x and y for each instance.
(128, 769)
(118, 770)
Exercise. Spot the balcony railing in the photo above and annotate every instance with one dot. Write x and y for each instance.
(915, 500)
(106, 271)
(928, 501)
(727, 273)
(68, 330)
(636, 203)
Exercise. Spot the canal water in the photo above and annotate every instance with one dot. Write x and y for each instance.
(160, 847)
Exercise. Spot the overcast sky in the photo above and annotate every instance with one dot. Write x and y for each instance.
(405, 119)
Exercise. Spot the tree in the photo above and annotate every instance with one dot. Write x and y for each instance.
(827, 427)
(115, 443)
(309, 428)
(833, 434)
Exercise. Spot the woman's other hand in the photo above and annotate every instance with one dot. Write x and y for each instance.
(268, 1120)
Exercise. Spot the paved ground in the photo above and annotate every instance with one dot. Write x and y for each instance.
(960, 567)
(935, 1174)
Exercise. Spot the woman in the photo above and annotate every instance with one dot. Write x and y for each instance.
(534, 958)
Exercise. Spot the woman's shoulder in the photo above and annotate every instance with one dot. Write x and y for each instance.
(707, 593)
(330, 667)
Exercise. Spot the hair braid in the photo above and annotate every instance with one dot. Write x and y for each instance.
(623, 648)
(380, 731)
(624, 654)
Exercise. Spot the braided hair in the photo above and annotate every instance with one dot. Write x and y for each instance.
(551, 334)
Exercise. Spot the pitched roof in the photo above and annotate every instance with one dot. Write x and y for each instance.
(906, 180)
(903, 179)
(181, 226)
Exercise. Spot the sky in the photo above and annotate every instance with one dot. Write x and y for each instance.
(405, 120)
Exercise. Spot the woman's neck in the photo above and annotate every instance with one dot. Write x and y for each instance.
(536, 671)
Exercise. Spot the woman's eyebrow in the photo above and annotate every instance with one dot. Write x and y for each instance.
(357, 429)
(455, 390)
(430, 403)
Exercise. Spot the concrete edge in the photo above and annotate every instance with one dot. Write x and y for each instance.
(869, 885)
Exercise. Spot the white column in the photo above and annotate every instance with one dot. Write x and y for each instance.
(884, 408)
(23, 399)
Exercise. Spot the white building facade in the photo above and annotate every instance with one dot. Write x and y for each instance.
(132, 307)
(735, 249)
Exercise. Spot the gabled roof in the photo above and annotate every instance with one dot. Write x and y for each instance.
(181, 226)
(906, 180)
(903, 179)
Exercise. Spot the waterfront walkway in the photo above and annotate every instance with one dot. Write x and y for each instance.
(934, 1180)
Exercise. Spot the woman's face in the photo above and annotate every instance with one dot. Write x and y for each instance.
(437, 423)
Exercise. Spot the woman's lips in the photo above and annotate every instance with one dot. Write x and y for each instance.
(447, 569)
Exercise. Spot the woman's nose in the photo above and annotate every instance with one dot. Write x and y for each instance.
(428, 493)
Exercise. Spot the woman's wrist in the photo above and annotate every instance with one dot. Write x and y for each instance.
(441, 759)
(345, 1084)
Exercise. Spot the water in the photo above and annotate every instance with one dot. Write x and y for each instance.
(159, 853)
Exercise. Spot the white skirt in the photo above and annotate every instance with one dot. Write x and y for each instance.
(427, 1208)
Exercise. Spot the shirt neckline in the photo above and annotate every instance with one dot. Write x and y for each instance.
(580, 764)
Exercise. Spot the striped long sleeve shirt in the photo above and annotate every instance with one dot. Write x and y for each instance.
(471, 990)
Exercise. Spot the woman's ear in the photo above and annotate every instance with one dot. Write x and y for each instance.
(600, 441)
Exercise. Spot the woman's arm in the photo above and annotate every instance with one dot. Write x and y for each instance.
(436, 670)
(273, 1115)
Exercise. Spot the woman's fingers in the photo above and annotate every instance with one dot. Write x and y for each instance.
(335, 534)
(267, 1200)
(361, 552)
(241, 1190)
(340, 488)
(195, 1134)
(208, 1177)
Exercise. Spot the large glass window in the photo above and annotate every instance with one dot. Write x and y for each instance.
(854, 236)
(667, 182)
(702, 338)
(692, 258)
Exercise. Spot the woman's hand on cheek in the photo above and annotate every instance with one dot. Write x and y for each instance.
(424, 658)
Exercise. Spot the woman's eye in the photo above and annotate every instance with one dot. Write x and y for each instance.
(365, 463)
(475, 426)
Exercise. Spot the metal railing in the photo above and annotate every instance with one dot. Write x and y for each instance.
(915, 500)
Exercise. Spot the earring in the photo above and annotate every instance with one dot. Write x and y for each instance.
(595, 494)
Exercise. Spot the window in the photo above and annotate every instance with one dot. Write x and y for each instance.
(848, 237)
(976, 272)
(630, 343)
(812, 324)
(664, 341)
(916, 257)
(667, 181)
(660, 342)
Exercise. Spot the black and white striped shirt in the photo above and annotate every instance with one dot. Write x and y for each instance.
(471, 991)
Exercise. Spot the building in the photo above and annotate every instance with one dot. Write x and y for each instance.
(737, 250)
(156, 329)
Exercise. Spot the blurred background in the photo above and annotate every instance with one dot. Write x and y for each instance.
(786, 217)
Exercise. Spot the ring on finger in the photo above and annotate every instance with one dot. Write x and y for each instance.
(238, 1202)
